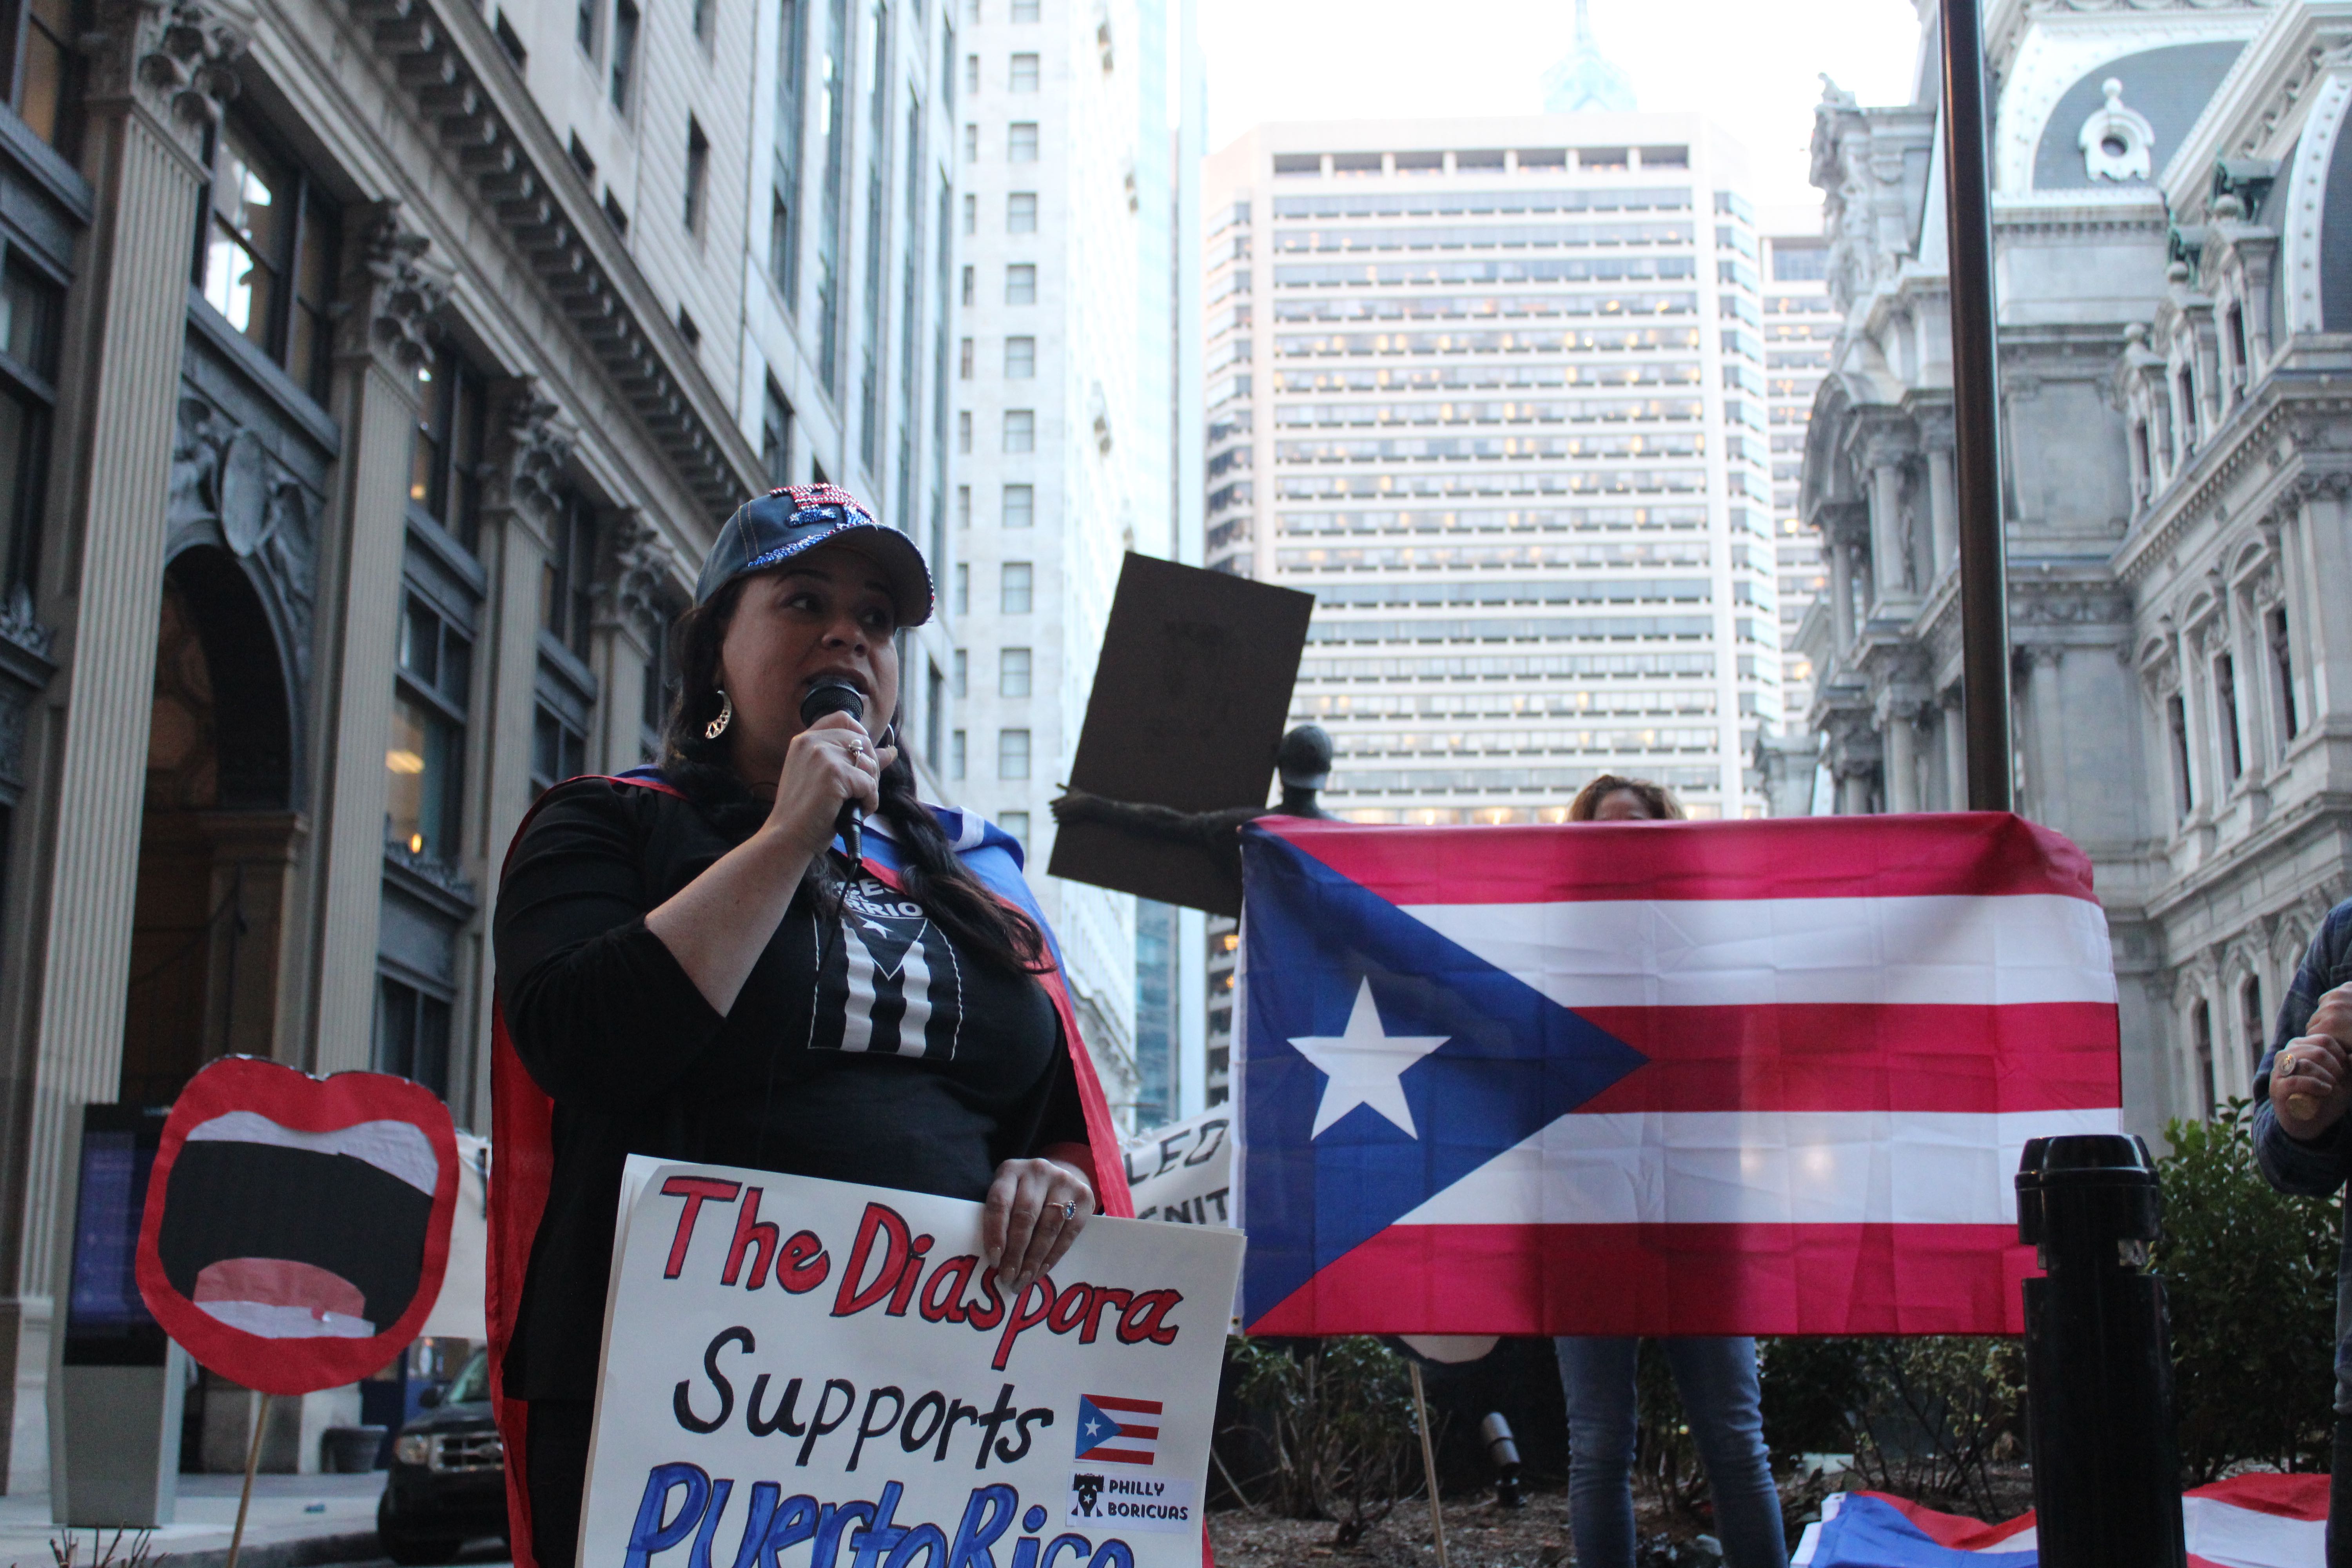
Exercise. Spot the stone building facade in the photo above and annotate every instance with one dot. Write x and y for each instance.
(373, 375)
(2172, 212)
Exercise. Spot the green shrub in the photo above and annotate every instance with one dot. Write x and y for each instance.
(1337, 1417)
(1923, 1416)
(2250, 1275)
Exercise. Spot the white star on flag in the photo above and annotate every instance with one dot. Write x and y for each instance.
(1365, 1066)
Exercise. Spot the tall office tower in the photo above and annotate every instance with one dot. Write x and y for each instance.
(1503, 414)
(1494, 392)
(843, 364)
(1062, 430)
(1800, 324)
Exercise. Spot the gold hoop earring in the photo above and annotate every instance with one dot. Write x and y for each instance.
(718, 726)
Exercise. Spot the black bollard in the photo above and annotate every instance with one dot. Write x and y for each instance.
(2098, 1357)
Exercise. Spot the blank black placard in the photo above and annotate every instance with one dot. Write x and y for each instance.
(1187, 711)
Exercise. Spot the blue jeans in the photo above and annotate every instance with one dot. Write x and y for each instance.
(1717, 1379)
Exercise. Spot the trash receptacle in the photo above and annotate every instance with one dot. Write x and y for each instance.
(350, 1450)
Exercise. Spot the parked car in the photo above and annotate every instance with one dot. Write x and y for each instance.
(448, 1483)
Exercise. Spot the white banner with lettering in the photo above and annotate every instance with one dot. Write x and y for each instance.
(802, 1373)
(1183, 1171)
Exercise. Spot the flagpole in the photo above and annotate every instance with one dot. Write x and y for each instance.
(1428, 1459)
(1976, 412)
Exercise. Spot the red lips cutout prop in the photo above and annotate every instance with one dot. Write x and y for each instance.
(297, 1228)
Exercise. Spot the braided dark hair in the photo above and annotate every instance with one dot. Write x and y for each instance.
(704, 771)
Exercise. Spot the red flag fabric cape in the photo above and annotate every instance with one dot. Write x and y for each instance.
(523, 1118)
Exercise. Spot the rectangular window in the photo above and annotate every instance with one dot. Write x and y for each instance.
(935, 715)
(426, 759)
(963, 603)
(660, 691)
(1021, 283)
(962, 667)
(1024, 10)
(967, 283)
(1020, 506)
(970, 214)
(625, 52)
(44, 83)
(1020, 429)
(776, 436)
(963, 430)
(1013, 672)
(445, 459)
(2250, 1005)
(1018, 584)
(1016, 824)
(583, 27)
(783, 224)
(963, 361)
(411, 1035)
(1020, 212)
(566, 601)
(2176, 716)
(971, 144)
(832, 88)
(697, 172)
(700, 19)
(1021, 143)
(558, 749)
(2283, 671)
(511, 42)
(1025, 73)
(28, 341)
(2201, 1039)
(963, 505)
(971, 76)
(955, 755)
(615, 216)
(1012, 753)
(1020, 359)
(2225, 714)
(578, 151)
(269, 255)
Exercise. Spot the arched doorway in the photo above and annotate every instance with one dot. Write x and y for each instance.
(216, 838)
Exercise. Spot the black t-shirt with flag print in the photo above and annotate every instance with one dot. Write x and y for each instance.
(865, 1046)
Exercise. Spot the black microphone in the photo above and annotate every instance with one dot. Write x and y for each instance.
(835, 695)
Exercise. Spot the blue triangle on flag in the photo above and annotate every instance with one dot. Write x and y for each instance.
(1094, 1428)
(1514, 1061)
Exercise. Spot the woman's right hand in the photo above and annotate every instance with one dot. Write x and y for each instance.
(828, 764)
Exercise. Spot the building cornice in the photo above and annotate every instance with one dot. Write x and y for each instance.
(2252, 433)
(451, 68)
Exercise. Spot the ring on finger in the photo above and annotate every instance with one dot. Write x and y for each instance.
(1069, 1208)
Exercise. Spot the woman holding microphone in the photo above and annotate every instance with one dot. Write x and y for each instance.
(696, 964)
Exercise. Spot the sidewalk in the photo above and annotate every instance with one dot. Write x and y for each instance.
(296, 1522)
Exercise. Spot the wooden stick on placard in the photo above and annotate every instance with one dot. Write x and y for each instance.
(252, 1462)
(1428, 1461)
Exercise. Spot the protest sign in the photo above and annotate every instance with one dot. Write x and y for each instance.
(790, 1361)
(1183, 1171)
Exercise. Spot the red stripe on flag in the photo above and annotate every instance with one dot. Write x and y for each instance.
(1147, 1433)
(1139, 1407)
(1981, 853)
(1117, 1456)
(2030, 1056)
(1667, 1279)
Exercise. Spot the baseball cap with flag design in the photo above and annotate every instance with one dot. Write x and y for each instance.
(797, 519)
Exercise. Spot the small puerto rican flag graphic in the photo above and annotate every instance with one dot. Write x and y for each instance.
(1118, 1431)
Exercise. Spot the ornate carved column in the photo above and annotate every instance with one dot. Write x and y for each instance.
(1953, 723)
(158, 73)
(1898, 713)
(530, 444)
(1889, 552)
(629, 626)
(1841, 592)
(392, 294)
(1943, 505)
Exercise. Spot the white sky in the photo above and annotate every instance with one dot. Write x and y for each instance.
(1752, 64)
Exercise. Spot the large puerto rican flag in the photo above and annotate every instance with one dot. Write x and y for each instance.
(1660, 1078)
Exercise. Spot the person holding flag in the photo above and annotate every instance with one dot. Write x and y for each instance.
(1715, 1376)
(705, 962)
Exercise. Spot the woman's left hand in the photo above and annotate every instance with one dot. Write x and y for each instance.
(1035, 1209)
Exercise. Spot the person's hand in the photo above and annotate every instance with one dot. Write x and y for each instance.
(1035, 1209)
(2310, 1087)
(2333, 1017)
(829, 763)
